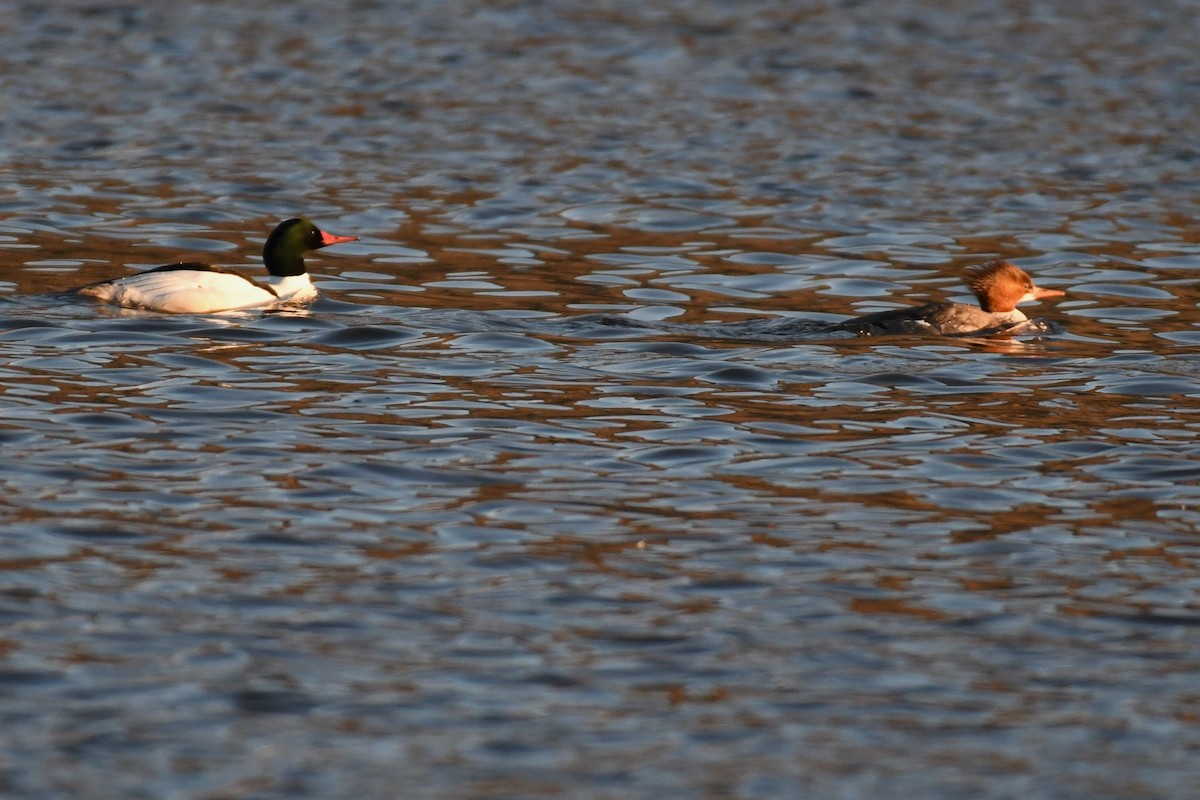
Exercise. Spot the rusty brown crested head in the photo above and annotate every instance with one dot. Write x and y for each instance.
(1000, 285)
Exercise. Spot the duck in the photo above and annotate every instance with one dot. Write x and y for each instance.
(999, 286)
(189, 287)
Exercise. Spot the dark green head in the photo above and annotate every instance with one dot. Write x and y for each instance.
(283, 254)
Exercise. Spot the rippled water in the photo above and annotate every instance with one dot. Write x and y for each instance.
(559, 489)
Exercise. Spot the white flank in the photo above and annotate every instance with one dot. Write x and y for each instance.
(193, 291)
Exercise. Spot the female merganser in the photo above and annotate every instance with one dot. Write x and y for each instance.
(999, 285)
(192, 288)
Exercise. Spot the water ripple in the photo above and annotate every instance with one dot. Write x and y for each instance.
(565, 485)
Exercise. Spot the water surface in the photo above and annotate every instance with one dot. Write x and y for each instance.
(558, 489)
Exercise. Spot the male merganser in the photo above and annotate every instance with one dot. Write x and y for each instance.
(192, 288)
(999, 285)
